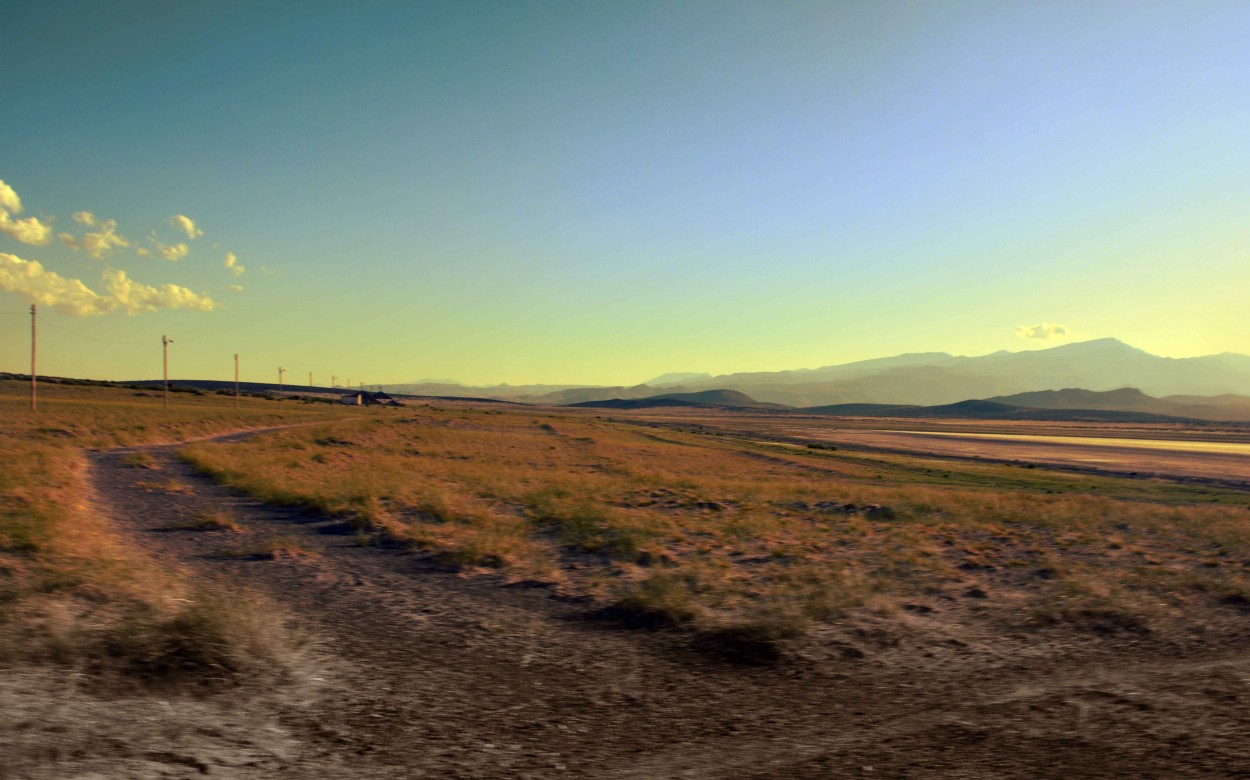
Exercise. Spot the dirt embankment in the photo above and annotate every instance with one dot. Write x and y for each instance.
(421, 672)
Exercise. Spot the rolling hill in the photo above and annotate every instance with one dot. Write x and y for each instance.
(707, 398)
(1130, 399)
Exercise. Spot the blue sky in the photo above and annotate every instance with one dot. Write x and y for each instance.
(594, 192)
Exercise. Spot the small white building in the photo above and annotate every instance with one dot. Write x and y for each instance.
(366, 398)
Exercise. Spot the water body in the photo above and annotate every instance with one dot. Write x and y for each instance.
(1217, 460)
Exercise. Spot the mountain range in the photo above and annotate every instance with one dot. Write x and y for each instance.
(933, 378)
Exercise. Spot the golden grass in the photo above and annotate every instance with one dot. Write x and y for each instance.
(141, 460)
(730, 536)
(70, 587)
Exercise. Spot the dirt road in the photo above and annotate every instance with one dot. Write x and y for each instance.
(422, 672)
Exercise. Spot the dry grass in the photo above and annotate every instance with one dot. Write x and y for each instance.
(741, 540)
(70, 588)
(141, 460)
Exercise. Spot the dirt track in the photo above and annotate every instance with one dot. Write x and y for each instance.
(425, 673)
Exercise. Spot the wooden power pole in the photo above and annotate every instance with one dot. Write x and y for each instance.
(34, 342)
(165, 342)
(236, 380)
(333, 381)
(281, 371)
(309, 380)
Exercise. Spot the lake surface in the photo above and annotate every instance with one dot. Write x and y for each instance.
(1218, 460)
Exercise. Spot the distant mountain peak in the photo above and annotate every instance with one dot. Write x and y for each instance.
(1097, 345)
(676, 378)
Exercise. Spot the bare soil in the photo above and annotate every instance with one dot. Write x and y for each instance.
(421, 671)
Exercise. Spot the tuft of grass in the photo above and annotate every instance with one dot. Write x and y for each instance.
(216, 636)
(141, 460)
(166, 486)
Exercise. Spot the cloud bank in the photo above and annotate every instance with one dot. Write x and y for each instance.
(1044, 332)
(29, 230)
(29, 279)
(137, 298)
(32, 281)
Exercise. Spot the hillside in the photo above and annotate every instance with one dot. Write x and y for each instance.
(721, 398)
(706, 398)
(1227, 407)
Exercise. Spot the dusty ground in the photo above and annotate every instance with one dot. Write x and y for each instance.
(421, 672)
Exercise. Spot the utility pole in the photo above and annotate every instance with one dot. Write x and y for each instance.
(165, 342)
(333, 380)
(34, 330)
(236, 380)
(281, 371)
(309, 380)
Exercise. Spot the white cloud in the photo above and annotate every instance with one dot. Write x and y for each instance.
(99, 243)
(233, 264)
(235, 287)
(29, 230)
(171, 253)
(32, 281)
(137, 298)
(1044, 332)
(186, 225)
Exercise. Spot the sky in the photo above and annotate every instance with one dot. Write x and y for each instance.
(573, 192)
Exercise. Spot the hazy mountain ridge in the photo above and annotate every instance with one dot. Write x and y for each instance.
(932, 378)
(927, 379)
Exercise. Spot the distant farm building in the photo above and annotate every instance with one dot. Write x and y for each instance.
(365, 398)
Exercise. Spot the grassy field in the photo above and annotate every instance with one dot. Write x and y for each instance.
(70, 589)
(753, 539)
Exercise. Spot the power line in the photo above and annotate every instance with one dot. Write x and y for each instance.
(46, 321)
